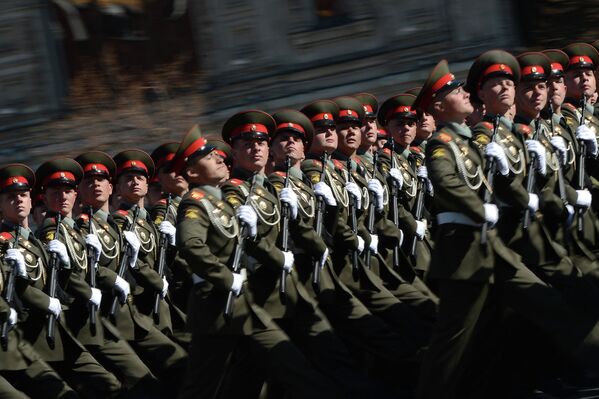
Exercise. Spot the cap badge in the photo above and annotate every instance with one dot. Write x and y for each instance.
(534, 69)
(365, 108)
(326, 116)
(133, 163)
(62, 175)
(290, 125)
(253, 128)
(502, 67)
(15, 180)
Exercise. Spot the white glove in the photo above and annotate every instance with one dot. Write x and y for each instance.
(495, 151)
(59, 249)
(12, 317)
(533, 202)
(537, 148)
(420, 229)
(323, 258)
(422, 172)
(376, 187)
(169, 230)
(584, 133)
(123, 288)
(96, 297)
(374, 244)
(321, 189)
(248, 215)
(360, 245)
(238, 280)
(289, 197)
(397, 176)
(560, 145)
(353, 190)
(164, 288)
(401, 235)
(54, 307)
(93, 241)
(491, 213)
(134, 244)
(584, 198)
(289, 259)
(16, 256)
(570, 218)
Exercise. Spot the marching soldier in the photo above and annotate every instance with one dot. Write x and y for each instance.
(134, 327)
(370, 131)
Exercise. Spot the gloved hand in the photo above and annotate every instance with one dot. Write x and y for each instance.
(420, 229)
(60, 250)
(323, 257)
(321, 189)
(96, 297)
(164, 288)
(494, 150)
(583, 198)
(584, 133)
(123, 289)
(422, 172)
(169, 230)
(16, 256)
(248, 215)
(93, 241)
(537, 148)
(560, 146)
(134, 244)
(238, 280)
(289, 197)
(375, 187)
(289, 259)
(360, 245)
(397, 176)
(353, 190)
(12, 317)
(374, 244)
(533, 202)
(570, 217)
(54, 307)
(491, 213)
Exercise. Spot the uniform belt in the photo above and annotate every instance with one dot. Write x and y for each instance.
(196, 279)
(456, 218)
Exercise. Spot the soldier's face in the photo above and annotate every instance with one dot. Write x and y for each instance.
(425, 126)
(579, 82)
(210, 169)
(403, 130)
(497, 94)
(325, 139)
(171, 182)
(132, 187)
(531, 97)
(16, 206)
(380, 143)
(455, 106)
(61, 199)
(350, 137)
(369, 132)
(251, 155)
(286, 144)
(95, 191)
(557, 91)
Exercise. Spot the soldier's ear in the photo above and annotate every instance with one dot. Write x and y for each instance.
(438, 107)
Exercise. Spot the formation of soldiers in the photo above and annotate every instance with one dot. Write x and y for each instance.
(441, 245)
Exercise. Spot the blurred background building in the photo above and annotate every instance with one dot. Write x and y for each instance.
(78, 74)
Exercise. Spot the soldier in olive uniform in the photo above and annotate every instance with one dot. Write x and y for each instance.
(61, 350)
(165, 358)
(369, 128)
(20, 366)
(207, 236)
(470, 261)
(292, 308)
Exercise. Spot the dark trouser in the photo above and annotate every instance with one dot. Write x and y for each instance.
(38, 380)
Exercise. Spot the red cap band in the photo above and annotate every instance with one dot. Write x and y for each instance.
(348, 113)
(323, 116)
(248, 128)
(164, 159)
(556, 66)
(496, 68)
(529, 70)
(580, 59)
(290, 125)
(60, 175)
(368, 109)
(132, 164)
(96, 168)
(402, 109)
(14, 180)
(445, 79)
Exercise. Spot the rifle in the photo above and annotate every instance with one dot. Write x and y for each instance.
(419, 209)
(236, 265)
(52, 283)
(394, 201)
(285, 234)
(163, 246)
(353, 225)
(488, 193)
(10, 292)
(91, 263)
(581, 166)
(320, 208)
(560, 171)
(371, 209)
(125, 254)
(532, 174)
